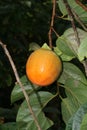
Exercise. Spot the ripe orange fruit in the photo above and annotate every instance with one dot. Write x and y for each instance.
(43, 67)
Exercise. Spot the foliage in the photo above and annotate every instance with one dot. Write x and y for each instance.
(24, 27)
(78, 121)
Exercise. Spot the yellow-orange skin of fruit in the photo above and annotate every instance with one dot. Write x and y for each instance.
(43, 67)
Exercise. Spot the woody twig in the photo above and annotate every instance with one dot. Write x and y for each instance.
(20, 84)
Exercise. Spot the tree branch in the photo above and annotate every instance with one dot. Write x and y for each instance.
(75, 30)
(55, 32)
(80, 4)
(72, 21)
(52, 23)
(79, 20)
(19, 82)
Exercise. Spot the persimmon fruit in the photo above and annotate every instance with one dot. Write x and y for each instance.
(43, 67)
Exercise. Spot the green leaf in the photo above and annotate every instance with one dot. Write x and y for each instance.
(76, 93)
(77, 121)
(77, 90)
(69, 124)
(78, 10)
(70, 35)
(62, 7)
(75, 7)
(84, 123)
(68, 108)
(45, 46)
(37, 101)
(82, 50)
(28, 3)
(65, 48)
(64, 57)
(72, 71)
(17, 93)
(57, 51)
(8, 126)
(33, 46)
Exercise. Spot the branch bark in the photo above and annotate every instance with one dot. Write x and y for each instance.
(79, 20)
(80, 4)
(72, 21)
(70, 13)
(19, 82)
(52, 23)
